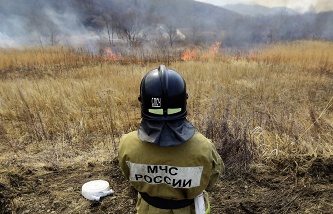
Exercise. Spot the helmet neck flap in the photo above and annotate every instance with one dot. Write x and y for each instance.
(166, 133)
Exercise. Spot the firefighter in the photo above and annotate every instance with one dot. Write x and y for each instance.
(166, 160)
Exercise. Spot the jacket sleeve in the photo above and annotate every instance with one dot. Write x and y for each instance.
(122, 156)
(217, 168)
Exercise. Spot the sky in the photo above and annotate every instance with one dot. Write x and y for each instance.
(299, 5)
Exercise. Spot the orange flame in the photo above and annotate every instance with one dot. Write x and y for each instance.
(109, 55)
(190, 54)
(194, 53)
(213, 51)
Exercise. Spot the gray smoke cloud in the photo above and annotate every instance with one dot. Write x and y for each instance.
(35, 22)
(60, 22)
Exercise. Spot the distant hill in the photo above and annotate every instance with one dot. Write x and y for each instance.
(135, 22)
(256, 10)
(184, 13)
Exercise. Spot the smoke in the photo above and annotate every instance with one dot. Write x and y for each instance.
(88, 24)
(41, 23)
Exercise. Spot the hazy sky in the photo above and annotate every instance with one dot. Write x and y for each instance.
(300, 5)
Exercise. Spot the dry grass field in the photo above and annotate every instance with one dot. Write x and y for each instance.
(270, 114)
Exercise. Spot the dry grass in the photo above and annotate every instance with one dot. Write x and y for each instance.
(20, 62)
(307, 55)
(61, 107)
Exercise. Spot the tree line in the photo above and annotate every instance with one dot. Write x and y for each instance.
(164, 23)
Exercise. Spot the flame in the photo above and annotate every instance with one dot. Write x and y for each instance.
(213, 51)
(109, 55)
(194, 53)
(190, 54)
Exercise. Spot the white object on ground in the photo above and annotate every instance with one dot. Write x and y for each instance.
(94, 190)
(199, 203)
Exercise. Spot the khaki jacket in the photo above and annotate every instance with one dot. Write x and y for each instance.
(180, 172)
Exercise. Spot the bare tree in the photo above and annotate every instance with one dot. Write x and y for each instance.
(172, 33)
(133, 27)
(110, 27)
(48, 32)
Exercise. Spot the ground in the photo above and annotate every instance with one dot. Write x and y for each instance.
(295, 185)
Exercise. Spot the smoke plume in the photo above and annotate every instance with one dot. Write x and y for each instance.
(38, 22)
(135, 23)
